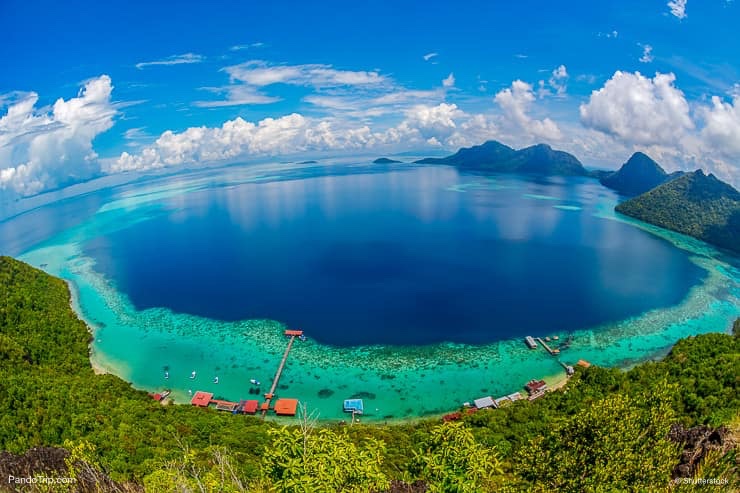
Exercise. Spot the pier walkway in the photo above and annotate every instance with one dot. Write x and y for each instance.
(269, 395)
(549, 350)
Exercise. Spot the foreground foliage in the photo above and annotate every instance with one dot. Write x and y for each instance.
(606, 432)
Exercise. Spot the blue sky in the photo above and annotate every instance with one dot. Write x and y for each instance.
(91, 88)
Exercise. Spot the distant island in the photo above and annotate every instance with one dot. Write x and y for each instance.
(638, 175)
(385, 160)
(309, 162)
(540, 159)
(694, 204)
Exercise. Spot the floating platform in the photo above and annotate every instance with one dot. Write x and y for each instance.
(353, 406)
(530, 342)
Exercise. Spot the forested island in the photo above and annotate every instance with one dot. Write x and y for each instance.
(675, 418)
(540, 159)
(694, 204)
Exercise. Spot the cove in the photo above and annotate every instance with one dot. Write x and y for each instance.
(698, 287)
(397, 257)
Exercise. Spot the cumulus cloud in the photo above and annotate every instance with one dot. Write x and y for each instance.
(722, 126)
(46, 148)
(639, 110)
(647, 54)
(184, 59)
(678, 8)
(557, 83)
(652, 115)
(443, 124)
(449, 81)
(515, 101)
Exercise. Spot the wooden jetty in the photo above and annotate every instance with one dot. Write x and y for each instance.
(549, 350)
(269, 395)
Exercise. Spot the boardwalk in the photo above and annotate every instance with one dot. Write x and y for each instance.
(268, 396)
(551, 351)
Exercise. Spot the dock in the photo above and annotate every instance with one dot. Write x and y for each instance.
(530, 342)
(269, 395)
(549, 350)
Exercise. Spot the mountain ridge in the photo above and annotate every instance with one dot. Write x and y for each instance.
(638, 175)
(495, 156)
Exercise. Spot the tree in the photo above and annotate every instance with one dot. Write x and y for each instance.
(320, 460)
(451, 461)
(618, 444)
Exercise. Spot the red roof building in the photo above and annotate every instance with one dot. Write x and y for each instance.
(296, 333)
(286, 407)
(201, 399)
(535, 386)
(250, 407)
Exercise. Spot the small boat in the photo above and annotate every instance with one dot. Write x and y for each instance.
(215, 380)
(166, 375)
(190, 392)
(302, 338)
(192, 375)
(254, 381)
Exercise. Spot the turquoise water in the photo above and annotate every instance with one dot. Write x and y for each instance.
(396, 382)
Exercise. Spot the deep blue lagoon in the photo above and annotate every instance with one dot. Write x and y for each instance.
(401, 256)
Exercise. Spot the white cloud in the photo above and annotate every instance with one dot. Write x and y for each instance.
(639, 110)
(393, 100)
(46, 148)
(558, 80)
(249, 79)
(612, 34)
(678, 8)
(722, 126)
(515, 102)
(449, 81)
(443, 124)
(260, 73)
(186, 58)
(236, 95)
(429, 56)
(246, 46)
(647, 54)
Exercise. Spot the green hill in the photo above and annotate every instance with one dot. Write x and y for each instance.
(385, 160)
(694, 204)
(494, 156)
(638, 175)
